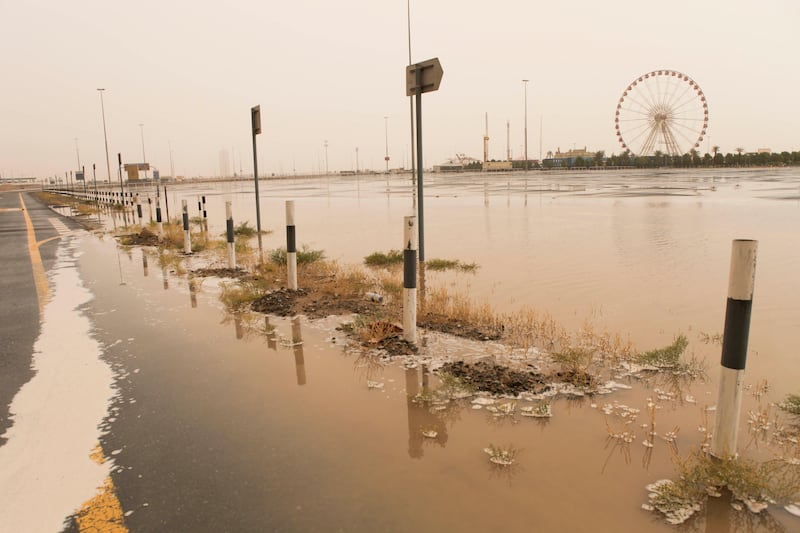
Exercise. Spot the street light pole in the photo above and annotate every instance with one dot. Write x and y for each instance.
(525, 85)
(326, 157)
(105, 136)
(386, 132)
(78, 152)
(144, 157)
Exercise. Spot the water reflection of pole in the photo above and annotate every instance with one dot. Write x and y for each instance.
(272, 339)
(193, 292)
(144, 263)
(297, 347)
(119, 264)
(238, 326)
(419, 417)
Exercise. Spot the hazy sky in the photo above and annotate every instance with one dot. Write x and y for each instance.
(331, 70)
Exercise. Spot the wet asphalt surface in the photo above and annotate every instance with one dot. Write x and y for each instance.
(19, 308)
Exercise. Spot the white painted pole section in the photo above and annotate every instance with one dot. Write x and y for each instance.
(187, 238)
(230, 236)
(159, 222)
(291, 247)
(410, 279)
(734, 347)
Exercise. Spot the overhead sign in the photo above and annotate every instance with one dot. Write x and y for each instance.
(431, 76)
(79, 175)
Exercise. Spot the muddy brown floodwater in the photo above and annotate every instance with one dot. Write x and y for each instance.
(317, 436)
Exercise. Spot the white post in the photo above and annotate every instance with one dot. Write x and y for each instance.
(291, 247)
(734, 347)
(231, 241)
(410, 279)
(187, 238)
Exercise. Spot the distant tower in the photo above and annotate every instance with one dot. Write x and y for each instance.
(224, 164)
(486, 142)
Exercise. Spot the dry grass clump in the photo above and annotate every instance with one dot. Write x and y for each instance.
(528, 328)
(458, 307)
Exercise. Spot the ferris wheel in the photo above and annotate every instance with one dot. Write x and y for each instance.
(661, 111)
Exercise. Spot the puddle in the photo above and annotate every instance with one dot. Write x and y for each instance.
(272, 423)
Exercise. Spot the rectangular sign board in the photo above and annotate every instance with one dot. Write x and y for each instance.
(431, 77)
(255, 117)
(79, 175)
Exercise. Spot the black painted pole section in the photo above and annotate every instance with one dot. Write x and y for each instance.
(734, 347)
(420, 209)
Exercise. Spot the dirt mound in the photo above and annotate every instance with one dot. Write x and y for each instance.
(496, 379)
(143, 238)
(459, 328)
(280, 302)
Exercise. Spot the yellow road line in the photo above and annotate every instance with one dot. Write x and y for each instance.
(39, 277)
(102, 513)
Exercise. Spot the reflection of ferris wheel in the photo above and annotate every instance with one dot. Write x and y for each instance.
(661, 111)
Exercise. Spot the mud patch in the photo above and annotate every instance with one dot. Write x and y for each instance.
(280, 302)
(460, 328)
(232, 273)
(143, 238)
(496, 379)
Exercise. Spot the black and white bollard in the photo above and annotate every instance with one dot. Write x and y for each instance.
(291, 247)
(230, 236)
(139, 211)
(734, 347)
(187, 238)
(410, 279)
(205, 214)
(159, 222)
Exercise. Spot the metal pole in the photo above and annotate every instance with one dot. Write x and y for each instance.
(255, 118)
(105, 137)
(119, 168)
(734, 347)
(144, 157)
(525, 85)
(386, 136)
(420, 210)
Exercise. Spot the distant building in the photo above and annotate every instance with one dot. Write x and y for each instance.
(498, 166)
(449, 167)
(568, 158)
(764, 151)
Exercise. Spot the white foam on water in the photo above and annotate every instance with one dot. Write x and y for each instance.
(46, 473)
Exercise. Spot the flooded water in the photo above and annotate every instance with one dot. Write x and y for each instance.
(312, 437)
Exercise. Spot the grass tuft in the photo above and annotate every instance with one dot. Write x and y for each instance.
(380, 259)
(667, 357)
(450, 264)
(305, 256)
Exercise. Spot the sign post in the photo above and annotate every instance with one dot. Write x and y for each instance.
(422, 78)
(255, 122)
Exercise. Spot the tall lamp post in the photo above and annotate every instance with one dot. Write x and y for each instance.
(386, 136)
(105, 136)
(525, 85)
(144, 157)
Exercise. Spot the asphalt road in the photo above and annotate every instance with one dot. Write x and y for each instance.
(19, 307)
